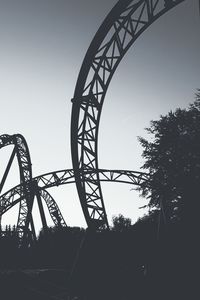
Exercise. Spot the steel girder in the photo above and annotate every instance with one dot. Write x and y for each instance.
(57, 178)
(25, 192)
(16, 195)
(53, 208)
(25, 169)
(124, 24)
(61, 177)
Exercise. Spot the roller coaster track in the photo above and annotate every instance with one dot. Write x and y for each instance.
(25, 169)
(123, 25)
(121, 28)
(57, 178)
(27, 189)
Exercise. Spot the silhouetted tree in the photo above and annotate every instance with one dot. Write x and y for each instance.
(120, 223)
(173, 161)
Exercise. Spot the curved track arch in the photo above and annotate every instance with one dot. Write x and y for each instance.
(53, 208)
(25, 169)
(26, 190)
(15, 196)
(57, 178)
(124, 24)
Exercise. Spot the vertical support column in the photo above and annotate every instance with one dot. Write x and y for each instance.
(7, 169)
(40, 205)
(29, 236)
(33, 234)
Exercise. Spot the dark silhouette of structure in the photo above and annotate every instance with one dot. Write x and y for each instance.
(123, 25)
(22, 152)
(25, 192)
(37, 187)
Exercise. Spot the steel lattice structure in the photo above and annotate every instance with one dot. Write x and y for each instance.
(57, 178)
(123, 25)
(21, 151)
(121, 28)
(26, 190)
(29, 187)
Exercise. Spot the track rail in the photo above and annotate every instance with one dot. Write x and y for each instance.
(57, 178)
(21, 151)
(25, 192)
(53, 208)
(123, 25)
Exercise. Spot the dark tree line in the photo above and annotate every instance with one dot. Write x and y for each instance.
(172, 158)
(173, 162)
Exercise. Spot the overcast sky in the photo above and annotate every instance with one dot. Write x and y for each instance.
(43, 43)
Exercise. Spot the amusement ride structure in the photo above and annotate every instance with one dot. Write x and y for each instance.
(123, 25)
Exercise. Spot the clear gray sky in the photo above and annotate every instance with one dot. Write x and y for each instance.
(43, 43)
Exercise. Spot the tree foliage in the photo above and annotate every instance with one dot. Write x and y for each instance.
(172, 158)
(120, 223)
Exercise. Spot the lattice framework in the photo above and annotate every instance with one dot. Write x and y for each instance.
(124, 24)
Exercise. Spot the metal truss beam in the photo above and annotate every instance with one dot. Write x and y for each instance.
(25, 169)
(57, 178)
(124, 24)
(53, 208)
(25, 192)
